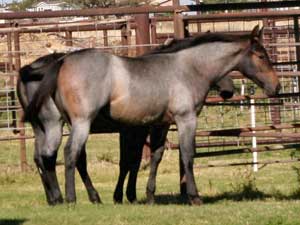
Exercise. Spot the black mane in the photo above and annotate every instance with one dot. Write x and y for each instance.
(180, 44)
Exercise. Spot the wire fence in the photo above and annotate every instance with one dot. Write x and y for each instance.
(23, 43)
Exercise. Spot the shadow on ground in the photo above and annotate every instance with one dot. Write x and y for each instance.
(12, 221)
(247, 194)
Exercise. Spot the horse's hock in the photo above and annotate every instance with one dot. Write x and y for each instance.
(249, 122)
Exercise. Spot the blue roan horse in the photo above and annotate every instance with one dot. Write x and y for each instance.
(48, 134)
(152, 90)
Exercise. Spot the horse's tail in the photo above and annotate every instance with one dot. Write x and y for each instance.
(21, 94)
(46, 89)
(28, 73)
(32, 72)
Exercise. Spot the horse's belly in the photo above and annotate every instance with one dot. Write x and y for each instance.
(134, 113)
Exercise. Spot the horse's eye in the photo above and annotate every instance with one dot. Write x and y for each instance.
(261, 57)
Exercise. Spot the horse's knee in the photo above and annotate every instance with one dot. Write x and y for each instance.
(49, 159)
(37, 159)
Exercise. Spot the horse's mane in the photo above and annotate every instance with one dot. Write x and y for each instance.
(180, 44)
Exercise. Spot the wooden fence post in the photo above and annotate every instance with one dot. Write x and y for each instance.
(142, 33)
(17, 55)
(125, 40)
(105, 38)
(69, 41)
(153, 32)
(297, 40)
(11, 80)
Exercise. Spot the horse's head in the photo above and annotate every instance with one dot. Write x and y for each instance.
(256, 65)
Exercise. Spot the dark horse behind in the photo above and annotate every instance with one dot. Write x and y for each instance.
(152, 90)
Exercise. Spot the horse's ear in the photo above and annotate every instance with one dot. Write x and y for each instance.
(261, 33)
(256, 34)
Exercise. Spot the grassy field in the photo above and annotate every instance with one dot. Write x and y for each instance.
(231, 195)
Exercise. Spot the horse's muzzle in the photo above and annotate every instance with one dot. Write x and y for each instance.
(226, 94)
(271, 91)
(278, 88)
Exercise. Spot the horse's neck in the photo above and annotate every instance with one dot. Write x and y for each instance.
(213, 61)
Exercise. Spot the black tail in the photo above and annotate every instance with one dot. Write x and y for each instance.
(27, 74)
(45, 90)
(21, 93)
(32, 71)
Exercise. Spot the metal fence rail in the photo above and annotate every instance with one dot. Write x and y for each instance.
(125, 34)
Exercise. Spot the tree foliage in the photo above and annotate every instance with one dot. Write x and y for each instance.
(22, 5)
(106, 3)
(92, 3)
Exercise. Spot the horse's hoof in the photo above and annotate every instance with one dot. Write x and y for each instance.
(196, 201)
(150, 198)
(71, 205)
(118, 198)
(51, 202)
(71, 202)
(133, 201)
(57, 201)
(118, 201)
(131, 198)
(95, 199)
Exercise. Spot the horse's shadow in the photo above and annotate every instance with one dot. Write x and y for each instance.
(12, 221)
(244, 195)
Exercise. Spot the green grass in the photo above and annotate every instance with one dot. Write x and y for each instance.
(231, 196)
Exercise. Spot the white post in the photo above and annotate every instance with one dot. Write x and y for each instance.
(254, 143)
(242, 93)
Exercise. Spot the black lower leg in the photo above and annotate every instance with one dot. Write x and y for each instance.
(118, 193)
(82, 169)
(45, 182)
(49, 163)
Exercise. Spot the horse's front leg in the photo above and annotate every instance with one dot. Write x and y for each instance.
(76, 141)
(186, 125)
(82, 169)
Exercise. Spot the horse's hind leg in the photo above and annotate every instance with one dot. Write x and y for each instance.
(157, 144)
(45, 159)
(82, 169)
(136, 140)
(39, 141)
(76, 141)
(53, 136)
(123, 168)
